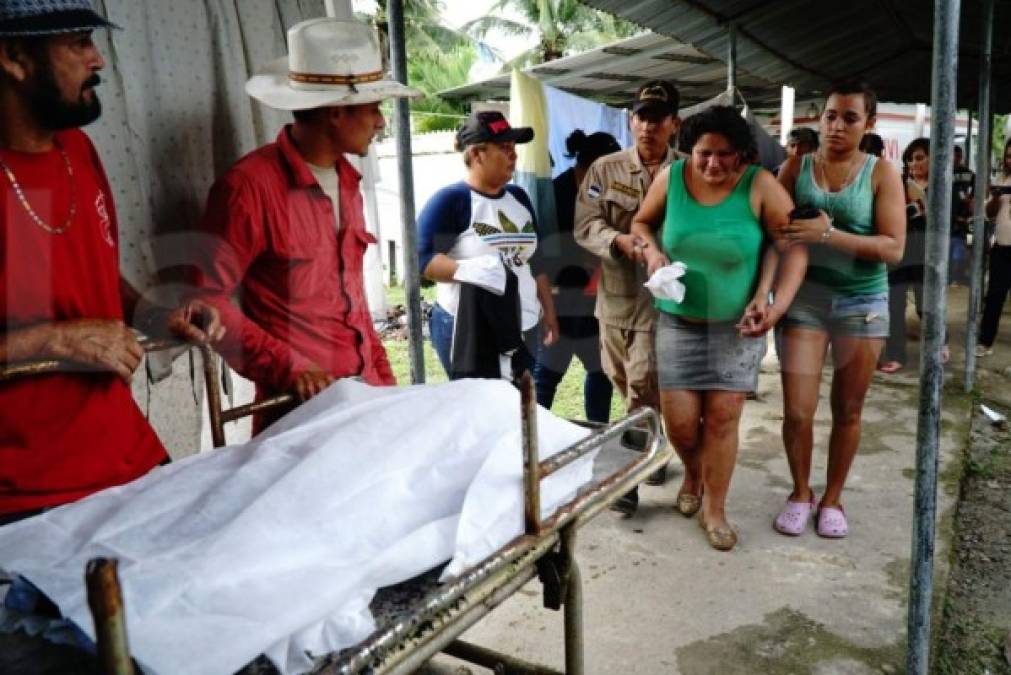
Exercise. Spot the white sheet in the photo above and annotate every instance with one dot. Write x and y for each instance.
(278, 546)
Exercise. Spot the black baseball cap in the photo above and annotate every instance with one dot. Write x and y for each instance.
(658, 96)
(490, 126)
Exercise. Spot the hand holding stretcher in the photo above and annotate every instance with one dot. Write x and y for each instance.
(438, 614)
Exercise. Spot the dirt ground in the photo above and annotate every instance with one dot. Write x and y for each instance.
(974, 635)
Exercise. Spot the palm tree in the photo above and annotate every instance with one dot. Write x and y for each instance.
(425, 29)
(434, 73)
(561, 27)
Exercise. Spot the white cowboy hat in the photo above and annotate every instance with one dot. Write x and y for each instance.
(330, 62)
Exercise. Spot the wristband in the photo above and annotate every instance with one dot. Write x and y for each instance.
(827, 234)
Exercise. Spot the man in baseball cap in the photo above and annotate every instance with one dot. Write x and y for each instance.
(657, 97)
(490, 126)
(68, 434)
(288, 222)
(611, 194)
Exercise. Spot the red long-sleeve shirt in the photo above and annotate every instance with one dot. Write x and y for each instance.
(271, 242)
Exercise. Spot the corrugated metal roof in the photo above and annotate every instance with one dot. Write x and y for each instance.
(612, 74)
(808, 44)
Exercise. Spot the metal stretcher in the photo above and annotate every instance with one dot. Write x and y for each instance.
(419, 618)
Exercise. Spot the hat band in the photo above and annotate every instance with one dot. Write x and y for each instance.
(314, 78)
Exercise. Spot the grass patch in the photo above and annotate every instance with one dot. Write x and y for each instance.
(568, 398)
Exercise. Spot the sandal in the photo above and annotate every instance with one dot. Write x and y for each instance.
(688, 504)
(722, 538)
(832, 522)
(792, 520)
(889, 367)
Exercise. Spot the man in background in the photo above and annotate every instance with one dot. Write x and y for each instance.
(608, 198)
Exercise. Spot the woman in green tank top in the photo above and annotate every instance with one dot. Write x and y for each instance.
(855, 228)
(716, 209)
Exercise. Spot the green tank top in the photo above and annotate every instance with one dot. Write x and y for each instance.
(851, 210)
(720, 246)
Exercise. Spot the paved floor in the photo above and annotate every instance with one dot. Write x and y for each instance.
(659, 600)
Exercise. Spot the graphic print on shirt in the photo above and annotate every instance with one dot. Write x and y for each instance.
(104, 221)
(513, 243)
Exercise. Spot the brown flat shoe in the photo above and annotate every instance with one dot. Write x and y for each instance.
(721, 538)
(688, 504)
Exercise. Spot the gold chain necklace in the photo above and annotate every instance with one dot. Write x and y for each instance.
(850, 175)
(27, 206)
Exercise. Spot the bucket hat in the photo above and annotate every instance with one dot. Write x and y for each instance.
(330, 62)
(21, 18)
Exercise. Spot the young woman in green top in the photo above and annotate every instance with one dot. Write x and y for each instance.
(716, 210)
(859, 228)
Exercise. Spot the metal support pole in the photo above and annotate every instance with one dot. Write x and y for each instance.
(106, 602)
(412, 277)
(732, 60)
(979, 217)
(967, 157)
(531, 455)
(928, 428)
(573, 605)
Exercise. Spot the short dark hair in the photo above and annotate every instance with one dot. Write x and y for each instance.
(587, 149)
(803, 135)
(32, 45)
(719, 119)
(849, 87)
(305, 116)
(872, 144)
(914, 145)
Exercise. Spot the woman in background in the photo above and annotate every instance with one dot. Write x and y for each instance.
(998, 208)
(573, 273)
(908, 274)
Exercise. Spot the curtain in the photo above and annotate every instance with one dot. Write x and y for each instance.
(175, 116)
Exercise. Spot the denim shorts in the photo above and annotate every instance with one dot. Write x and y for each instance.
(706, 356)
(821, 309)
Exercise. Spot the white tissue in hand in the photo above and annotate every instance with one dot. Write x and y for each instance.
(664, 283)
(485, 271)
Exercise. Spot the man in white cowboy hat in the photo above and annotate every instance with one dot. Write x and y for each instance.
(68, 434)
(289, 224)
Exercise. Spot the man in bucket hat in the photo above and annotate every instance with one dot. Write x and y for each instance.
(64, 435)
(288, 222)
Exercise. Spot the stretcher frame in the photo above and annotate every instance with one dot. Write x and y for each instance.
(546, 549)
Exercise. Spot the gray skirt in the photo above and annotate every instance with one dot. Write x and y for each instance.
(706, 356)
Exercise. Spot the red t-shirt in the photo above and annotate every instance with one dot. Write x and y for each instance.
(63, 435)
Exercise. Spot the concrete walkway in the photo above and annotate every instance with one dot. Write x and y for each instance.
(658, 599)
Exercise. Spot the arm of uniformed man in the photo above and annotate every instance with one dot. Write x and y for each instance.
(591, 228)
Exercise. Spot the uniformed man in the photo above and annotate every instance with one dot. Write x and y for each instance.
(609, 197)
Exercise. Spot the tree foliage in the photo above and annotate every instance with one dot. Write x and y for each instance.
(561, 27)
(438, 72)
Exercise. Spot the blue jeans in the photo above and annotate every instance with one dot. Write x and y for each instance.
(440, 327)
(580, 337)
